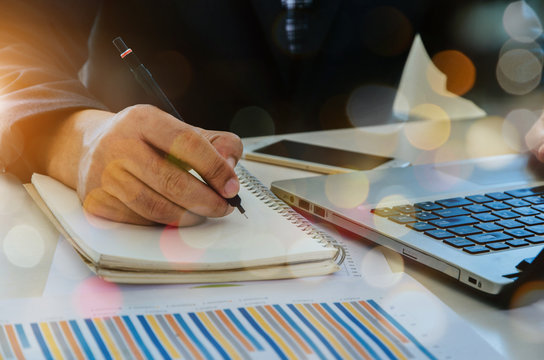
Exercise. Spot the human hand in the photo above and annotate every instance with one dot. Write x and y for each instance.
(119, 164)
(535, 139)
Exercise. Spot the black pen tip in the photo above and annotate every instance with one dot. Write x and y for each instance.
(241, 210)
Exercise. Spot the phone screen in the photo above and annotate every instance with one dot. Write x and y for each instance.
(323, 155)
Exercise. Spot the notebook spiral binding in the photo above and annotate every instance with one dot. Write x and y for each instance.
(264, 194)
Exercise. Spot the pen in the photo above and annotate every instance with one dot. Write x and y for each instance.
(144, 77)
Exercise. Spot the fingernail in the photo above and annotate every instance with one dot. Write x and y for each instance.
(231, 188)
(232, 162)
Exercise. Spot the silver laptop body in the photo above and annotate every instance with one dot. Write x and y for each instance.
(348, 200)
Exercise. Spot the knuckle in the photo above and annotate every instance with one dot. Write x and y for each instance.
(173, 181)
(189, 139)
(216, 170)
(135, 116)
(158, 210)
(138, 110)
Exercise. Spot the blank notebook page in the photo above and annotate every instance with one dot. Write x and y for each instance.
(266, 237)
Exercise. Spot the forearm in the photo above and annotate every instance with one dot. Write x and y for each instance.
(39, 85)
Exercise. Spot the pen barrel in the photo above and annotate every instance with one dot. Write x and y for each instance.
(144, 77)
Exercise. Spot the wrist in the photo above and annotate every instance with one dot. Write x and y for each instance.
(68, 144)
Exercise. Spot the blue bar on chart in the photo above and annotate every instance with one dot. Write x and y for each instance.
(332, 330)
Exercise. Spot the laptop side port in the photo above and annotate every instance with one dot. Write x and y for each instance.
(319, 211)
(303, 204)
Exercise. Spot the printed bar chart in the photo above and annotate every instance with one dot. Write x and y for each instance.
(325, 330)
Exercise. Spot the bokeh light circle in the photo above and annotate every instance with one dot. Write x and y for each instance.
(484, 138)
(95, 294)
(385, 225)
(347, 192)
(533, 47)
(459, 70)
(252, 121)
(516, 125)
(23, 246)
(386, 31)
(521, 22)
(432, 130)
(377, 265)
(518, 71)
(176, 247)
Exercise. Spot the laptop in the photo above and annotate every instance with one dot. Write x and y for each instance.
(480, 221)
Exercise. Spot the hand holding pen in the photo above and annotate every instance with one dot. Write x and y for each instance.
(144, 77)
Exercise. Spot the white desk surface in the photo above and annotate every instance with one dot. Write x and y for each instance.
(28, 240)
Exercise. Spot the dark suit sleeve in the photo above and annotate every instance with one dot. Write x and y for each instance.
(42, 49)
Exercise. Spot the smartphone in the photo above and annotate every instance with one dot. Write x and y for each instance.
(317, 158)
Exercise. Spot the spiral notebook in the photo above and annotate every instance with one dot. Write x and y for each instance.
(274, 243)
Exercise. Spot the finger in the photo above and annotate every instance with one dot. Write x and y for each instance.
(227, 145)
(188, 144)
(535, 138)
(170, 181)
(100, 203)
(144, 201)
(539, 153)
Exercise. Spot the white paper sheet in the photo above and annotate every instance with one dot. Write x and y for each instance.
(327, 314)
(422, 83)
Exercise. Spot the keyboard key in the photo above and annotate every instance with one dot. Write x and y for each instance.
(451, 212)
(454, 221)
(477, 209)
(517, 242)
(497, 246)
(477, 249)
(425, 216)
(539, 207)
(525, 211)
(488, 227)
(485, 217)
(517, 202)
(427, 205)
(530, 220)
(406, 209)
(509, 224)
(458, 242)
(402, 219)
(506, 214)
(499, 196)
(453, 202)
(526, 192)
(518, 233)
(420, 226)
(537, 229)
(536, 200)
(535, 239)
(489, 237)
(497, 206)
(385, 212)
(439, 234)
(479, 199)
(465, 230)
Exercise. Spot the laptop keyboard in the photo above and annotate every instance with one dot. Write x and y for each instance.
(477, 224)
